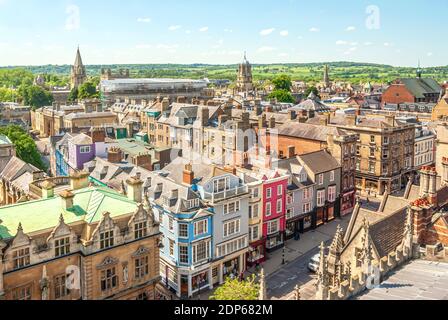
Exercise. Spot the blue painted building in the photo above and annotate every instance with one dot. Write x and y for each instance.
(187, 228)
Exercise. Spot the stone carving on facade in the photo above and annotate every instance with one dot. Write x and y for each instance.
(322, 282)
(108, 261)
(45, 284)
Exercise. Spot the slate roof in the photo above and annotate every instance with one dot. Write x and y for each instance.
(15, 168)
(421, 86)
(314, 104)
(319, 161)
(387, 234)
(202, 172)
(81, 140)
(310, 131)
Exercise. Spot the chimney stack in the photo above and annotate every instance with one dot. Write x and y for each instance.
(188, 174)
(114, 155)
(165, 104)
(48, 189)
(67, 198)
(135, 189)
(262, 123)
(79, 180)
(143, 161)
(292, 115)
(98, 135)
(204, 116)
(424, 182)
(445, 171)
(272, 122)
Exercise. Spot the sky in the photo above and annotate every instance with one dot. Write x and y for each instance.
(395, 32)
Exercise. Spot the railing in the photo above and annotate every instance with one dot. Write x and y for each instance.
(36, 186)
(226, 194)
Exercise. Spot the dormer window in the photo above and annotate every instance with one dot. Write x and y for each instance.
(84, 149)
(220, 185)
(62, 247)
(106, 239)
(140, 230)
(191, 204)
(21, 258)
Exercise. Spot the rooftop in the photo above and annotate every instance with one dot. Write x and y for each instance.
(418, 280)
(43, 214)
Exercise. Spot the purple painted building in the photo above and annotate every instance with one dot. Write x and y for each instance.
(81, 149)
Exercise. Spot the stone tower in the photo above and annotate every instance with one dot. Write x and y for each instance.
(244, 81)
(327, 76)
(78, 75)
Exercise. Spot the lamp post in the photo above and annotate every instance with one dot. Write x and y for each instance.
(283, 255)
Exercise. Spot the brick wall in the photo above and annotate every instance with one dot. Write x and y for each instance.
(397, 93)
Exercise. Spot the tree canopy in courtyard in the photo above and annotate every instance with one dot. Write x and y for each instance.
(234, 289)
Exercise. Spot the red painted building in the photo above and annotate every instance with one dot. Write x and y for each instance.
(275, 186)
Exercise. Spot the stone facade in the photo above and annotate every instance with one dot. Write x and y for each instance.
(115, 257)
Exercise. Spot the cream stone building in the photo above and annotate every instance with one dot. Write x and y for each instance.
(88, 243)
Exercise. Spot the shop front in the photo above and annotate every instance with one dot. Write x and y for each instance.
(200, 281)
(293, 228)
(194, 281)
(256, 254)
(232, 266)
(274, 241)
(347, 203)
(325, 214)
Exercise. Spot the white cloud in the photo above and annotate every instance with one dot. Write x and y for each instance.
(388, 44)
(351, 28)
(341, 43)
(350, 51)
(367, 43)
(266, 32)
(174, 28)
(283, 55)
(228, 30)
(430, 54)
(300, 37)
(187, 31)
(266, 49)
(284, 33)
(314, 29)
(203, 29)
(144, 20)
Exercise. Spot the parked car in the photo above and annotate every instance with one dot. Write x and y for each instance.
(313, 266)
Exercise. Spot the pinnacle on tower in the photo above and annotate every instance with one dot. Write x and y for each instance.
(78, 74)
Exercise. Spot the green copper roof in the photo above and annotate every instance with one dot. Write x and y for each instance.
(39, 215)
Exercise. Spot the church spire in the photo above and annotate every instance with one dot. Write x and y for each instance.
(78, 74)
(326, 76)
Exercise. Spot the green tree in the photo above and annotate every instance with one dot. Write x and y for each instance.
(237, 290)
(35, 96)
(25, 146)
(73, 95)
(311, 90)
(282, 82)
(8, 95)
(87, 90)
(282, 96)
